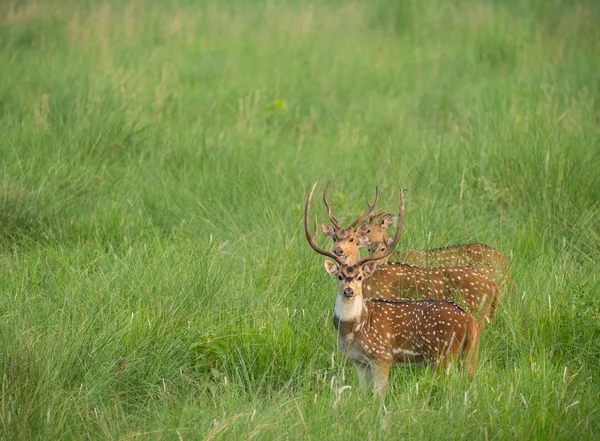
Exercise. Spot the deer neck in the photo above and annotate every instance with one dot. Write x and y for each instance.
(351, 319)
(350, 315)
(353, 258)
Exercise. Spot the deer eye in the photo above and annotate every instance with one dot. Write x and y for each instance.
(340, 277)
(351, 240)
(359, 278)
(368, 231)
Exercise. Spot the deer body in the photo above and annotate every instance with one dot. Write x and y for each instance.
(462, 284)
(487, 260)
(376, 333)
(463, 254)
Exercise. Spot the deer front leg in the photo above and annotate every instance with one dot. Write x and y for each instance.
(365, 379)
(380, 371)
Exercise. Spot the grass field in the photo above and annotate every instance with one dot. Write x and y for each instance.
(155, 281)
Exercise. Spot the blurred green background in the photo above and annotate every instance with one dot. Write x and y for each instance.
(155, 156)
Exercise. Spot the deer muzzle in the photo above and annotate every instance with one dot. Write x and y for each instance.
(348, 293)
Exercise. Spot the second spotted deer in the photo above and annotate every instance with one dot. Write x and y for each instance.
(465, 285)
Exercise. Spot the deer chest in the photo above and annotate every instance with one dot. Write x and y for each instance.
(352, 349)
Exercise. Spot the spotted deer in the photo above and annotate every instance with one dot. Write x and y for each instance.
(345, 240)
(483, 258)
(374, 333)
(465, 285)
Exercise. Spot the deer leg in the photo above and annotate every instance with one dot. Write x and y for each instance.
(495, 302)
(365, 379)
(470, 350)
(446, 365)
(439, 364)
(471, 361)
(380, 371)
(444, 357)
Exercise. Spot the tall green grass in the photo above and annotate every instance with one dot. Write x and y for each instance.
(155, 282)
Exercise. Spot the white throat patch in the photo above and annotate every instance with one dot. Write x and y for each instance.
(348, 310)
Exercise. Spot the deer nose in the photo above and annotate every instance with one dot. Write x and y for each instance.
(348, 293)
(338, 251)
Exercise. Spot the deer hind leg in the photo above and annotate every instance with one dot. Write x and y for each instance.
(365, 377)
(443, 361)
(484, 312)
(380, 371)
(497, 296)
(470, 349)
(445, 356)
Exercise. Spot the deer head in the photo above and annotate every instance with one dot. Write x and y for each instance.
(349, 301)
(346, 241)
(350, 277)
(373, 232)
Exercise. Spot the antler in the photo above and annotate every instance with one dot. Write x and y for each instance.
(380, 255)
(371, 208)
(311, 239)
(336, 223)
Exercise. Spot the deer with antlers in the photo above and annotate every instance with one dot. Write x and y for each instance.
(346, 240)
(483, 258)
(465, 285)
(374, 333)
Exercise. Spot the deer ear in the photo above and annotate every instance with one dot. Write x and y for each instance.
(331, 267)
(363, 242)
(387, 221)
(362, 235)
(362, 230)
(369, 268)
(328, 230)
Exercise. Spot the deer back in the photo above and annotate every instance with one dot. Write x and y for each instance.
(486, 259)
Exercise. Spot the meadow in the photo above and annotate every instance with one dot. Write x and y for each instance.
(155, 280)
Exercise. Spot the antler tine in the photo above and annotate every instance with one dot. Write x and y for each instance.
(336, 223)
(312, 239)
(380, 255)
(362, 218)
